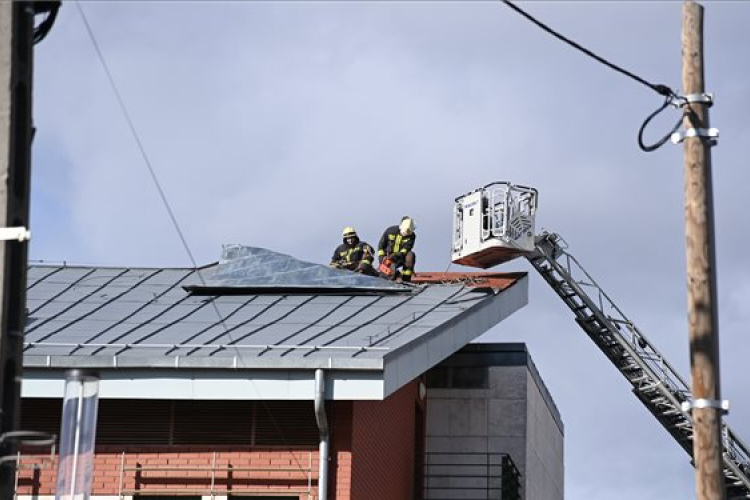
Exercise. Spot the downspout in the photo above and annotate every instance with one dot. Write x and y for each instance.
(320, 417)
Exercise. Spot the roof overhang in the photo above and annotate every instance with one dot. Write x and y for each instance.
(201, 378)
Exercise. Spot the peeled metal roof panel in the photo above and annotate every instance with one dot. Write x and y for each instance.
(243, 267)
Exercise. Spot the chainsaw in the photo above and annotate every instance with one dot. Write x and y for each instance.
(387, 268)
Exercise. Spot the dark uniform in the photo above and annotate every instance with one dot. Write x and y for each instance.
(399, 249)
(357, 257)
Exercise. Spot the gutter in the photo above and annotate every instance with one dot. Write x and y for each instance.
(323, 447)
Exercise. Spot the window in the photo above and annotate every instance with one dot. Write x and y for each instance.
(469, 377)
(458, 377)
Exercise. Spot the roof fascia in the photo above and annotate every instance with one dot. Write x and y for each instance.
(213, 384)
(406, 363)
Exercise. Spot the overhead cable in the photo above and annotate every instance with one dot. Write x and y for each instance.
(664, 90)
(137, 138)
(172, 216)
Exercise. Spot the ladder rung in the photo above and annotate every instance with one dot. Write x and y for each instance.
(683, 425)
(673, 411)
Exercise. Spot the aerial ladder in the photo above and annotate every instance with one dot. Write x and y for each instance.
(495, 224)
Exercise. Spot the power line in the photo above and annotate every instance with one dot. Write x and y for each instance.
(137, 138)
(172, 216)
(670, 95)
(658, 88)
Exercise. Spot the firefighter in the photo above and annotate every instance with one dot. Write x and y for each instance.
(353, 254)
(395, 247)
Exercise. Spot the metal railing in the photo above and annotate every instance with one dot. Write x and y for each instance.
(471, 475)
(218, 479)
(34, 463)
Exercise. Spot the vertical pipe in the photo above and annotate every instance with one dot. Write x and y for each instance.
(77, 435)
(320, 417)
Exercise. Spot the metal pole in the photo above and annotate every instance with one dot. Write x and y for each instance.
(78, 435)
(16, 60)
(701, 282)
(325, 437)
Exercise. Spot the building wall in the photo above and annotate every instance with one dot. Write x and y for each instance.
(273, 470)
(471, 427)
(340, 465)
(383, 437)
(235, 445)
(544, 444)
(371, 457)
(469, 431)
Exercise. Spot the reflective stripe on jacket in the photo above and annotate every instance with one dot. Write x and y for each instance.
(393, 242)
(359, 252)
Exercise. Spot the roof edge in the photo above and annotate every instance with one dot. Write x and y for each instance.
(224, 363)
(407, 362)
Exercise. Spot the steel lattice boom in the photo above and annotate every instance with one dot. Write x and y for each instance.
(654, 380)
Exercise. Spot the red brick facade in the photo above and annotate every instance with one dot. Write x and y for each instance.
(188, 470)
(372, 457)
(383, 437)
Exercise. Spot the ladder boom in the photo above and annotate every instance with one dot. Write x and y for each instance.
(655, 382)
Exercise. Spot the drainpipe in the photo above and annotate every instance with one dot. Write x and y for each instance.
(320, 416)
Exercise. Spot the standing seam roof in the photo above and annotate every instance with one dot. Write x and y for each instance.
(98, 316)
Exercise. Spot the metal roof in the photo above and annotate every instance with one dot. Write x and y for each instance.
(142, 319)
(243, 268)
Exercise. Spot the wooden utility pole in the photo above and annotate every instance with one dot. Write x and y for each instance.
(16, 44)
(701, 259)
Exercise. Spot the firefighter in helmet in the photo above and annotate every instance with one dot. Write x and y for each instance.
(353, 254)
(396, 247)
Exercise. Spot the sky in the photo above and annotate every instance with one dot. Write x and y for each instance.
(276, 124)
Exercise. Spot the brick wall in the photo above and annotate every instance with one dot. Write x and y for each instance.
(185, 470)
(371, 457)
(340, 466)
(383, 438)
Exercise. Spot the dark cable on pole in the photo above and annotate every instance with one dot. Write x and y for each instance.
(51, 8)
(663, 140)
(664, 90)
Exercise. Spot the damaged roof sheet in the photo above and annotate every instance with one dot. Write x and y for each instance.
(244, 268)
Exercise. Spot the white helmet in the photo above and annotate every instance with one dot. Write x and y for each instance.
(407, 226)
(348, 232)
